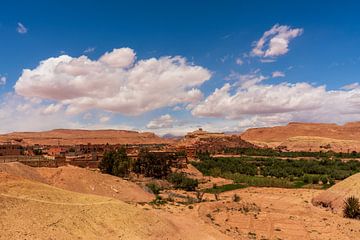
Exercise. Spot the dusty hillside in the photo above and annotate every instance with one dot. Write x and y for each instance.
(31, 210)
(334, 197)
(80, 180)
(75, 136)
(35, 211)
(273, 213)
(308, 136)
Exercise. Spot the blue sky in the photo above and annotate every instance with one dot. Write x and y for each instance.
(320, 57)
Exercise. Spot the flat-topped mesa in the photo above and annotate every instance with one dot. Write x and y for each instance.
(80, 136)
(297, 136)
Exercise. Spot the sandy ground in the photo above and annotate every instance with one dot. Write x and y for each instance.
(31, 210)
(270, 213)
(81, 180)
(34, 210)
(335, 196)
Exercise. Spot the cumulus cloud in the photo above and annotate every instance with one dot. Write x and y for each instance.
(2, 80)
(21, 114)
(52, 108)
(21, 28)
(247, 80)
(284, 101)
(164, 121)
(275, 42)
(278, 74)
(104, 119)
(351, 86)
(115, 82)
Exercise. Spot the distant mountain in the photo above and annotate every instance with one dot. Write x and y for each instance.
(298, 136)
(171, 136)
(77, 136)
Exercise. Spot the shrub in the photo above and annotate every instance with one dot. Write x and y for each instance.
(331, 181)
(324, 180)
(236, 198)
(181, 181)
(224, 188)
(315, 179)
(158, 200)
(154, 188)
(307, 178)
(352, 208)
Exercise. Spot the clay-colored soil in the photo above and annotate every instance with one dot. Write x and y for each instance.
(31, 210)
(81, 180)
(270, 213)
(308, 137)
(334, 197)
(75, 136)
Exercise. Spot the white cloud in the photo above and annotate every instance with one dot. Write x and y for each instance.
(119, 58)
(246, 80)
(164, 121)
(287, 102)
(239, 61)
(115, 82)
(52, 108)
(89, 50)
(277, 74)
(20, 114)
(21, 28)
(351, 86)
(2, 80)
(104, 119)
(275, 42)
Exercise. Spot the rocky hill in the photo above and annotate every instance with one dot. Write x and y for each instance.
(213, 141)
(308, 137)
(76, 136)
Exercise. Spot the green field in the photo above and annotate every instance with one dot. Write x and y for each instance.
(275, 172)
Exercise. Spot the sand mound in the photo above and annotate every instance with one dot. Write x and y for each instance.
(32, 210)
(21, 170)
(81, 180)
(334, 197)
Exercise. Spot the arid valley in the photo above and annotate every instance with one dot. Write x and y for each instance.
(59, 193)
(179, 120)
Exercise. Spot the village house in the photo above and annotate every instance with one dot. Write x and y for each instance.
(7, 149)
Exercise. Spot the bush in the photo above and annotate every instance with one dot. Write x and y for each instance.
(224, 188)
(352, 208)
(154, 188)
(315, 179)
(331, 181)
(158, 201)
(324, 180)
(236, 198)
(307, 178)
(181, 181)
